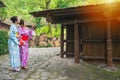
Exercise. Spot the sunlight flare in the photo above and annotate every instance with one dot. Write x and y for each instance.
(109, 1)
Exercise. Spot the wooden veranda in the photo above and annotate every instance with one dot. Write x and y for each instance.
(92, 31)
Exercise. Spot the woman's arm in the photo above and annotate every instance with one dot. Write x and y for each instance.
(13, 34)
(30, 34)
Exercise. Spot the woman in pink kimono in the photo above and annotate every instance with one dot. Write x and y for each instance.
(24, 33)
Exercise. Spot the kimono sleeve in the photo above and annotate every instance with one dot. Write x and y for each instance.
(30, 34)
(12, 34)
(20, 33)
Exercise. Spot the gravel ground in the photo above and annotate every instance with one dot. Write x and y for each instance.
(44, 64)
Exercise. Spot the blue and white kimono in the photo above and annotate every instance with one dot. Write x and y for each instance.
(13, 45)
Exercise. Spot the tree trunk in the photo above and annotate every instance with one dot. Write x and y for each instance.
(47, 4)
(49, 25)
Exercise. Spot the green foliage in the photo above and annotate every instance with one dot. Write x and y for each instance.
(63, 3)
(56, 33)
(38, 19)
(22, 8)
(48, 45)
(37, 31)
(3, 42)
(2, 14)
(45, 29)
(40, 30)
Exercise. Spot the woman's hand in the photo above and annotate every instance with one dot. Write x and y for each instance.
(24, 43)
(20, 36)
(21, 42)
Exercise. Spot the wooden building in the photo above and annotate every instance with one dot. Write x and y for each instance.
(92, 31)
(4, 26)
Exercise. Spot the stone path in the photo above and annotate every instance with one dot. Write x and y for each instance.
(45, 65)
(38, 58)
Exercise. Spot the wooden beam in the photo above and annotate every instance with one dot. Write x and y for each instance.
(62, 41)
(93, 41)
(99, 57)
(66, 13)
(67, 35)
(72, 10)
(69, 22)
(109, 44)
(76, 43)
(49, 19)
(81, 9)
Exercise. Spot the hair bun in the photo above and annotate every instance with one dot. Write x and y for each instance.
(14, 18)
(11, 18)
(21, 22)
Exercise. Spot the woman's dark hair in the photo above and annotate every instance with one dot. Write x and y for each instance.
(14, 18)
(21, 22)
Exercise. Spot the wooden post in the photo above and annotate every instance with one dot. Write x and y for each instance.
(62, 41)
(109, 44)
(76, 43)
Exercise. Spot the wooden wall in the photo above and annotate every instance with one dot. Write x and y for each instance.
(92, 38)
(116, 39)
(70, 40)
(4, 26)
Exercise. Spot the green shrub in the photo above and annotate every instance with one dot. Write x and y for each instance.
(3, 42)
(49, 45)
(45, 29)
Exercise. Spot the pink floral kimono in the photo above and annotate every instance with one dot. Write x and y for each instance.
(23, 31)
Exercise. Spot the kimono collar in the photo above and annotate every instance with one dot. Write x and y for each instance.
(15, 24)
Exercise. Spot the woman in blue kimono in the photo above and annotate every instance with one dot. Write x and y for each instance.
(13, 45)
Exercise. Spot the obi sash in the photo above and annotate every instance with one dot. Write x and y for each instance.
(24, 37)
